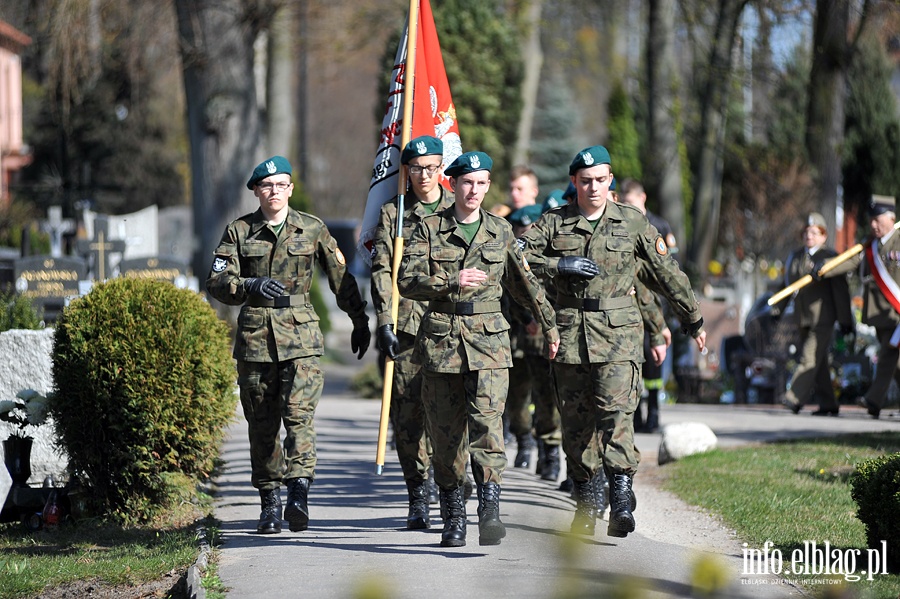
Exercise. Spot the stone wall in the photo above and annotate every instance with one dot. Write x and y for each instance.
(26, 363)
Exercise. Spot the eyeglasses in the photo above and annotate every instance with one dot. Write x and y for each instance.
(418, 170)
(279, 187)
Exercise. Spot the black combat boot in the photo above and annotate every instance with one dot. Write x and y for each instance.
(468, 486)
(621, 500)
(541, 457)
(550, 471)
(270, 517)
(601, 491)
(585, 508)
(434, 497)
(297, 510)
(453, 511)
(525, 450)
(490, 528)
(417, 519)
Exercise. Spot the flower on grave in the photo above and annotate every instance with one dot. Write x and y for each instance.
(29, 408)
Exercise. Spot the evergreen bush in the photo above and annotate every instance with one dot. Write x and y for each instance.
(875, 487)
(144, 386)
(17, 312)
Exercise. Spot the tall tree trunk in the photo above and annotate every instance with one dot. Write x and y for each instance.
(533, 58)
(281, 84)
(663, 178)
(708, 199)
(827, 94)
(223, 117)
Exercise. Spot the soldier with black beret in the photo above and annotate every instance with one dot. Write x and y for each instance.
(593, 250)
(459, 260)
(265, 263)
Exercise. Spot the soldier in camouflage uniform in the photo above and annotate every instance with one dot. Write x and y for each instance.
(593, 249)
(424, 157)
(457, 260)
(530, 379)
(265, 262)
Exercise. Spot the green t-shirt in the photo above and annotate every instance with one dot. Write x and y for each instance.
(277, 228)
(430, 208)
(469, 229)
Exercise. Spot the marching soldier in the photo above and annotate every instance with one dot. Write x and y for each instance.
(530, 379)
(265, 262)
(424, 158)
(593, 249)
(457, 260)
(818, 305)
(881, 303)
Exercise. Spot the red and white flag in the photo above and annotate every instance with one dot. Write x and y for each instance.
(433, 114)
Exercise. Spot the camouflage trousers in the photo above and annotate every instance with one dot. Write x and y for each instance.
(408, 414)
(531, 381)
(598, 398)
(275, 393)
(461, 405)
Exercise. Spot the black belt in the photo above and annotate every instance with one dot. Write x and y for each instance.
(282, 301)
(464, 308)
(590, 304)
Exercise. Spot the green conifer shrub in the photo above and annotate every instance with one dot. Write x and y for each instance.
(875, 487)
(144, 387)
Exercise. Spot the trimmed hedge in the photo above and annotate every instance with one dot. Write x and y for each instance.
(875, 487)
(144, 387)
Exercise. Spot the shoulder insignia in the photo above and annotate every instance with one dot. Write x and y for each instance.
(661, 247)
(219, 264)
(525, 263)
(339, 256)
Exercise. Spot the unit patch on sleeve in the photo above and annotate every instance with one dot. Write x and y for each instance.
(219, 264)
(661, 247)
(340, 256)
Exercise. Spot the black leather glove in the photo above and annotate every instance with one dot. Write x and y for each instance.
(387, 341)
(578, 266)
(360, 338)
(264, 287)
(692, 329)
(814, 273)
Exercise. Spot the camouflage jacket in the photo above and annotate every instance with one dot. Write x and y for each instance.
(429, 271)
(623, 242)
(249, 248)
(651, 313)
(409, 315)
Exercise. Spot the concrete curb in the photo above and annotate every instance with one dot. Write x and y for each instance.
(195, 588)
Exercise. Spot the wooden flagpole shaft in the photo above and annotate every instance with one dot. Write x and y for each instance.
(409, 87)
(828, 266)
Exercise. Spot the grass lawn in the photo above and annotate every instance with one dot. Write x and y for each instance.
(90, 557)
(789, 493)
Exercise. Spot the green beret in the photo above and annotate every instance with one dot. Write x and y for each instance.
(589, 157)
(554, 200)
(570, 193)
(275, 165)
(525, 215)
(469, 163)
(424, 145)
(882, 204)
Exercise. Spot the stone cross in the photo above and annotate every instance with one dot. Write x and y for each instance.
(99, 249)
(56, 226)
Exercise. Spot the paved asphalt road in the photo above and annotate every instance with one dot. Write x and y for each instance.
(357, 544)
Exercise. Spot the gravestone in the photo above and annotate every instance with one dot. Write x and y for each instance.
(101, 249)
(56, 226)
(156, 268)
(49, 282)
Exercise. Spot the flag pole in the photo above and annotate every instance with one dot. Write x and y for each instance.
(409, 87)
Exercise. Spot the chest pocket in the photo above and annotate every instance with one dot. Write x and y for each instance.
(620, 250)
(446, 259)
(568, 244)
(492, 253)
(255, 259)
(300, 260)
